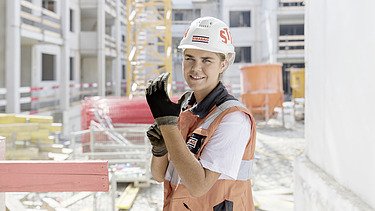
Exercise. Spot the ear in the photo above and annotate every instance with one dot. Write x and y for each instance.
(223, 66)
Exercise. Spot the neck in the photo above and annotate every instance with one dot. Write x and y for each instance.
(200, 95)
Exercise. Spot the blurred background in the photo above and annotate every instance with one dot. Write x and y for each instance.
(73, 75)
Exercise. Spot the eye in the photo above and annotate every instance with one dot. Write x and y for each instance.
(189, 59)
(206, 61)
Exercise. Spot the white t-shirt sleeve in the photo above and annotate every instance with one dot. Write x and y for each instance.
(223, 154)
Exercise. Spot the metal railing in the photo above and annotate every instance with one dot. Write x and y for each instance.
(291, 43)
(40, 20)
(126, 148)
(47, 98)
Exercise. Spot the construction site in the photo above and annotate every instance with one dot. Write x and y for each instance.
(74, 116)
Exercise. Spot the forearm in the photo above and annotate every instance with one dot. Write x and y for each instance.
(158, 167)
(188, 167)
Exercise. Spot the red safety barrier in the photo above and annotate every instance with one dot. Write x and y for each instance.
(119, 109)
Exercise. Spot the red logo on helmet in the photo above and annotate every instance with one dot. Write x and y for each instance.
(225, 36)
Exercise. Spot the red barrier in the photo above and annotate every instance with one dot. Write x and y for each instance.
(119, 109)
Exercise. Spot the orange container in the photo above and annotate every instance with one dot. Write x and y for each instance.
(262, 88)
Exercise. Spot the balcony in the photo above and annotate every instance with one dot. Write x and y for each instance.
(110, 46)
(291, 9)
(39, 23)
(291, 47)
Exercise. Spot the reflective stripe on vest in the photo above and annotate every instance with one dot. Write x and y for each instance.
(228, 104)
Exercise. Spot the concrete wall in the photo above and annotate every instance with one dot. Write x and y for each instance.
(89, 69)
(2, 43)
(340, 90)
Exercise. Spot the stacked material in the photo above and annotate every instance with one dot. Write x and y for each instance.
(30, 137)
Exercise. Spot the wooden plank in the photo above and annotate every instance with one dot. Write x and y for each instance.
(51, 176)
(12, 118)
(40, 119)
(75, 198)
(18, 127)
(14, 204)
(127, 197)
(29, 153)
(52, 127)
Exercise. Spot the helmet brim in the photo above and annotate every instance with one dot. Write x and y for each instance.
(186, 46)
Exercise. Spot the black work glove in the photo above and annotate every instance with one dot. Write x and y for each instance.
(164, 111)
(157, 141)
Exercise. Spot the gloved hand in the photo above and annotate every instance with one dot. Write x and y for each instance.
(157, 141)
(164, 111)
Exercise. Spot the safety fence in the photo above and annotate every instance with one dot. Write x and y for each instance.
(37, 99)
(126, 148)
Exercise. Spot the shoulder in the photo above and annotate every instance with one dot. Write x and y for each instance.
(236, 120)
(236, 117)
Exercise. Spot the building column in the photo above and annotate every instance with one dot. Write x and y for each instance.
(117, 72)
(12, 56)
(101, 48)
(65, 62)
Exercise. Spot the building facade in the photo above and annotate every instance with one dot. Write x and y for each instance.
(55, 52)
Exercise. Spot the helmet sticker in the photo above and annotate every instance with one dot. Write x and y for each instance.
(225, 35)
(202, 39)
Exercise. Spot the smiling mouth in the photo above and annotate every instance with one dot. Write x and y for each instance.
(196, 77)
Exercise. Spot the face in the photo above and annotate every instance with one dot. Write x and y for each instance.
(201, 71)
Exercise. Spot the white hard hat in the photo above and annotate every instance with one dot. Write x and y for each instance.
(209, 34)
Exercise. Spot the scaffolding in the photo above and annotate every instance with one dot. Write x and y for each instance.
(148, 41)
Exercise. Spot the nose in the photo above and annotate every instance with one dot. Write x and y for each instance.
(197, 66)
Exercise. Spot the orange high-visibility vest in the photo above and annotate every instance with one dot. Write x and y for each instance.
(224, 194)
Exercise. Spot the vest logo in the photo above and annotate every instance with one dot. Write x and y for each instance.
(195, 142)
(202, 39)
